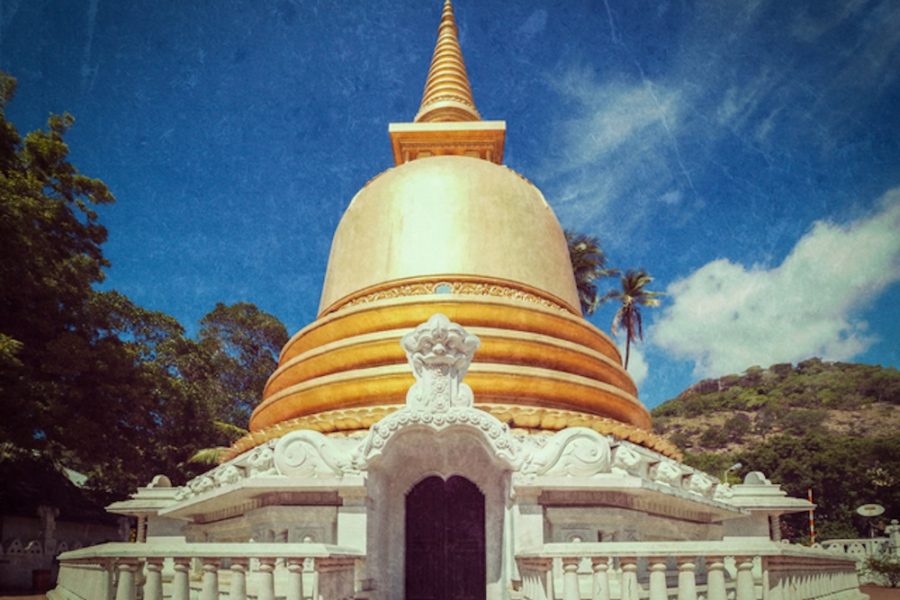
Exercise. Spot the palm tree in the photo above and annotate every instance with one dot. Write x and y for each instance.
(213, 456)
(588, 266)
(632, 296)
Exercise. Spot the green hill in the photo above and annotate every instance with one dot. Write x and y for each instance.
(832, 427)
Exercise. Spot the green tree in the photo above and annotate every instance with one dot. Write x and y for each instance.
(242, 343)
(88, 379)
(588, 266)
(50, 257)
(633, 295)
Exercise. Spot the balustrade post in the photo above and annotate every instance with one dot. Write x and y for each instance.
(715, 578)
(153, 589)
(687, 579)
(238, 579)
(601, 578)
(570, 578)
(295, 579)
(744, 578)
(210, 579)
(126, 588)
(630, 589)
(106, 581)
(658, 587)
(266, 579)
(181, 589)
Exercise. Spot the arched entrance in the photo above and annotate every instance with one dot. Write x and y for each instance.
(445, 553)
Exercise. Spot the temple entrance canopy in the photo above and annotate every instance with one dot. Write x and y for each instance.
(445, 540)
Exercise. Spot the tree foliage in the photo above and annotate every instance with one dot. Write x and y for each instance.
(88, 379)
(778, 422)
(631, 297)
(588, 267)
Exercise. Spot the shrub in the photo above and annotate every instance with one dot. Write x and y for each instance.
(886, 566)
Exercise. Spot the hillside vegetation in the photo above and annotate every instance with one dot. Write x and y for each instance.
(832, 427)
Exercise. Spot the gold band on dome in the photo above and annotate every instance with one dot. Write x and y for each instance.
(355, 421)
(455, 285)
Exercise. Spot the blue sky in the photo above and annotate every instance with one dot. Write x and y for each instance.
(745, 152)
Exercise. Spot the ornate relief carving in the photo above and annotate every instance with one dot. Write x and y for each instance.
(310, 454)
(701, 483)
(461, 287)
(261, 461)
(574, 452)
(723, 492)
(496, 434)
(626, 461)
(228, 474)
(439, 353)
(667, 472)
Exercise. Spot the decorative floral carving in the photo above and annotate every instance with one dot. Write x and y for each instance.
(227, 474)
(439, 353)
(573, 452)
(310, 454)
(461, 287)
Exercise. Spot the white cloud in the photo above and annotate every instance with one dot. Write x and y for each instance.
(726, 317)
(621, 138)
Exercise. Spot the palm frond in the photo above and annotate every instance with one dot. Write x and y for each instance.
(208, 456)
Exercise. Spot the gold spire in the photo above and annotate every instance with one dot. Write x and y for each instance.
(448, 95)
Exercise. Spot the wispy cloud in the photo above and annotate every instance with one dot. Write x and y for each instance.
(726, 317)
(619, 137)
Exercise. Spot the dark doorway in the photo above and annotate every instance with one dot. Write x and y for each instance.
(445, 557)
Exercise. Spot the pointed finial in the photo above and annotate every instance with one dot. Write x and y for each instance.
(448, 95)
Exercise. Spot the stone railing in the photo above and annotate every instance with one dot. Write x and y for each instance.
(123, 571)
(720, 570)
(858, 548)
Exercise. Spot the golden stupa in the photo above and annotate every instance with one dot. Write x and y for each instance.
(449, 229)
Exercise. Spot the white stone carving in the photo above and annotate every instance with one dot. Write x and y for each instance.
(572, 452)
(201, 484)
(723, 492)
(626, 461)
(261, 461)
(227, 474)
(667, 472)
(701, 483)
(307, 453)
(496, 434)
(439, 353)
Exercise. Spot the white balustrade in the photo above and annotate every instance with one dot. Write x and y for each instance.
(600, 589)
(295, 579)
(658, 585)
(745, 586)
(238, 580)
(645, 570)
(210, 580)
(630, 588)
(126, 589)
(114, 571)
(153, 589)
(715, 578)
